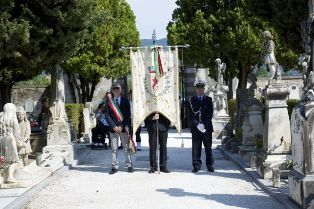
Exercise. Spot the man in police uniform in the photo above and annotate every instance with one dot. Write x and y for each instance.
(201, 113)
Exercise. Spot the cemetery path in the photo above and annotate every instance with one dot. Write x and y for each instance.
(88, 185)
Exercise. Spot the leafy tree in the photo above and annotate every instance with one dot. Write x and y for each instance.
(102, 55)
(286, 18)
(227, 29)
(39, 34)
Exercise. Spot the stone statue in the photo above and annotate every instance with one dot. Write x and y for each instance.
(221, 68)
(269, 56)
(25, 130)
(58, 111)
(10, 141)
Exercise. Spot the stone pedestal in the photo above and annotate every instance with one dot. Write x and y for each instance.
(276, 136)
(58, 133)
(251, 127)
(221, 125)
(252, 124)
(301, 178)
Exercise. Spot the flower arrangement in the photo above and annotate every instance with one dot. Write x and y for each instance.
(2, 161)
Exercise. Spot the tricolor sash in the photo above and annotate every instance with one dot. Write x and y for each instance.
(117, 113)
(115, 109)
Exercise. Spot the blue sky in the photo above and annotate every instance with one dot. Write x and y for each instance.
(152, 14)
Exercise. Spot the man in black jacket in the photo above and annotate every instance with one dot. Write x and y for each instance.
(163, 127)
(201, 113)
(118, 127)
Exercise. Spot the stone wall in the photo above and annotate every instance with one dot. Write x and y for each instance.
(29, 96)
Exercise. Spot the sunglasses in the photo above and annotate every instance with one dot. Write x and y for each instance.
(115, 88)
(200, 87)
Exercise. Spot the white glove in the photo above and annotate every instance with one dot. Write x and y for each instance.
(201, 127)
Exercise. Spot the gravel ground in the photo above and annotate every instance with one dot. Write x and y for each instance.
(88, 185)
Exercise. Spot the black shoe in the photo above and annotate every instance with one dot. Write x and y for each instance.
(130, 170)
(195, 170)
(152, 170)
(210, 169)
(120, 147)
(113, 171)
(165, 170)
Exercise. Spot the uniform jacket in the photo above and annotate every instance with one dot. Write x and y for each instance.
(206, 108)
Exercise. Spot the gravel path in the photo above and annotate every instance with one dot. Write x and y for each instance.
(89, 185)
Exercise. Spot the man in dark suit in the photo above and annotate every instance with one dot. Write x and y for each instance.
(163, 127)
(201, 113)
(118, 127)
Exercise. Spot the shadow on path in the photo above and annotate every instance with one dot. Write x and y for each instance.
(226, 199)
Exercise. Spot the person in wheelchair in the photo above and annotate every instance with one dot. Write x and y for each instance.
(101, 131)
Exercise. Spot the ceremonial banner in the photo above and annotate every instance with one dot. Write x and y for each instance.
(155, 84)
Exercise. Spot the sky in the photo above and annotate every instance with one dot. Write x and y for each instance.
(152, 14)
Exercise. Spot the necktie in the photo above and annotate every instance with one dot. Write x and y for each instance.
(200, 98)
(117, 102)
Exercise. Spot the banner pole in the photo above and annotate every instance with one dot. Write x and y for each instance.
(158, 149)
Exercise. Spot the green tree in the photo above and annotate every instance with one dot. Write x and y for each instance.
(286, 18)
(101, 55)
(37, 35)
(230, 30)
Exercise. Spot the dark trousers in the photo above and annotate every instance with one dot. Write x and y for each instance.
(101, 130)
(197, 139)
(137, 134)
(162, 135)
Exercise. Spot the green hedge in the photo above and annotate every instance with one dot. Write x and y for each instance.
(291, 104)
(75, 116)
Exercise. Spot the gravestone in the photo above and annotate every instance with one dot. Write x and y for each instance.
(221, 120)
(276, 135)
(301, 177)
(29, 105)
(59, 137)
(295, 92)
(252, 122)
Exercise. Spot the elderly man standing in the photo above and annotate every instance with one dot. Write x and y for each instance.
(118, 115)
(201, 113)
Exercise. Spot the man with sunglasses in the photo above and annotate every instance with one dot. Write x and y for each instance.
(200, 114)
(118, 115)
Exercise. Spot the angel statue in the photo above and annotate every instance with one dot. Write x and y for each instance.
(221, 68)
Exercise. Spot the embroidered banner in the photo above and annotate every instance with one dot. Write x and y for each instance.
(155, 84)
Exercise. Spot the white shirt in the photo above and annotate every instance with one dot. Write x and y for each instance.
(119, 100)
